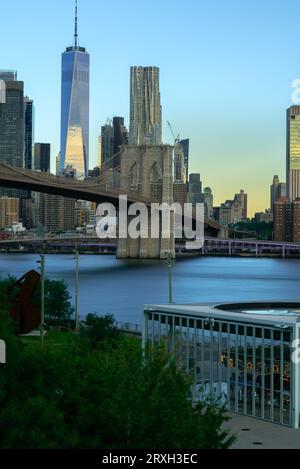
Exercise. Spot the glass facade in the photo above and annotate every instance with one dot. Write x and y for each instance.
(246, 365)
(293, 152)
(75, 110)
(29, 132)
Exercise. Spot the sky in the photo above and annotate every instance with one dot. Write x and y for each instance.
(226, 73)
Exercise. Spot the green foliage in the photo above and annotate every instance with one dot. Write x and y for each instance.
(98, 390)
(100, 329)
(262, 230)
(58, 307)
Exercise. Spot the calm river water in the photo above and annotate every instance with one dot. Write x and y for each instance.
(121, 288)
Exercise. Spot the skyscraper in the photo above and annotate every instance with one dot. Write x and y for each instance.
(29, 132)
(145, 107)
(75, 107)
(293, 153)
(42, 157)
(208, 200)
(277, 190)
(242, 198)
(195, 189)
(120, 138)
(107, 144)
(186, 152)
(179, 163)
(12, 121)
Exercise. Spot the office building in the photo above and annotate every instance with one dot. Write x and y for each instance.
(145, 107)
(277, 190)
(42, 157)
(242, 198)
(234, 211)
(179, 163)
(107, 145)
(293, 153)
(180, 193)
(58, 165)
(195, 189)
(8, 75)
(264, 217)
(283, 220)
(57, 213)
(75, 107)
(208, 200)
(120, 138)
(287, 220)
(9, 211)
(29, 133)
(12, 121)
(99, 151)
(186, 153)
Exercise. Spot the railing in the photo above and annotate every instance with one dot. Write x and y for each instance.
(128, 327)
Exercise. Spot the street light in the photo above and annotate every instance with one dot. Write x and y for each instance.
(42, 263)
(77, 291)
(169, 261)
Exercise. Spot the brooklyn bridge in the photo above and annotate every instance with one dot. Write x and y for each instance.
(145, 175)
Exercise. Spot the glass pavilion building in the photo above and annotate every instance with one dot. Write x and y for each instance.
(75, 108)
(241, 353)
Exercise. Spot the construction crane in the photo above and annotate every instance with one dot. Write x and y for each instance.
(176, 139)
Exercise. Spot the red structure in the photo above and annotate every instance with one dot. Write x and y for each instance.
(23, 311)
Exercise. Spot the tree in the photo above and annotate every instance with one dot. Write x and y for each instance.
(83, 395)
(100, 329)
(58, 306)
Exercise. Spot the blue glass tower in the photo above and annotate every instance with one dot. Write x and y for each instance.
(75, 98)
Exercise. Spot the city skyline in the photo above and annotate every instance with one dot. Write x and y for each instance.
(250, 147)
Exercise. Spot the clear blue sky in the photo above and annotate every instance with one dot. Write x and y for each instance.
(226, 74)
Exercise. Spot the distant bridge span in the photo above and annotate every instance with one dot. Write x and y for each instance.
(91, 191)
(18, 178)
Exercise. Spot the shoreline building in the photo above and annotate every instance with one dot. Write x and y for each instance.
(145, 107)
(75, 97)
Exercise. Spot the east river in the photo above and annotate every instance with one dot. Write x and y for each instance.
(121, 288)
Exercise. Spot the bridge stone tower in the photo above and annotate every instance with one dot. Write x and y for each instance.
(147, 173)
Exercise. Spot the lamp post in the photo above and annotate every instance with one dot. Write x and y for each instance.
(169, 261)
(42, 330)
(77, 292)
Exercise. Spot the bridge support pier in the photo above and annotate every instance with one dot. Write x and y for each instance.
(147, 172)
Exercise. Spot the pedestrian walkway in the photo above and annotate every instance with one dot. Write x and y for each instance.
(253, 433)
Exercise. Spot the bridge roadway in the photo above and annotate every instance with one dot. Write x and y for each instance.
(90, 190)
(227, 246)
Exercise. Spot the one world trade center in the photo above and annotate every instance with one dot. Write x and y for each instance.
(75, 91)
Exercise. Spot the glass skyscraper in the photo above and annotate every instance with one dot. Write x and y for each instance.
(75, 108)
(12, 121)
(293, 153)
(29, 132)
